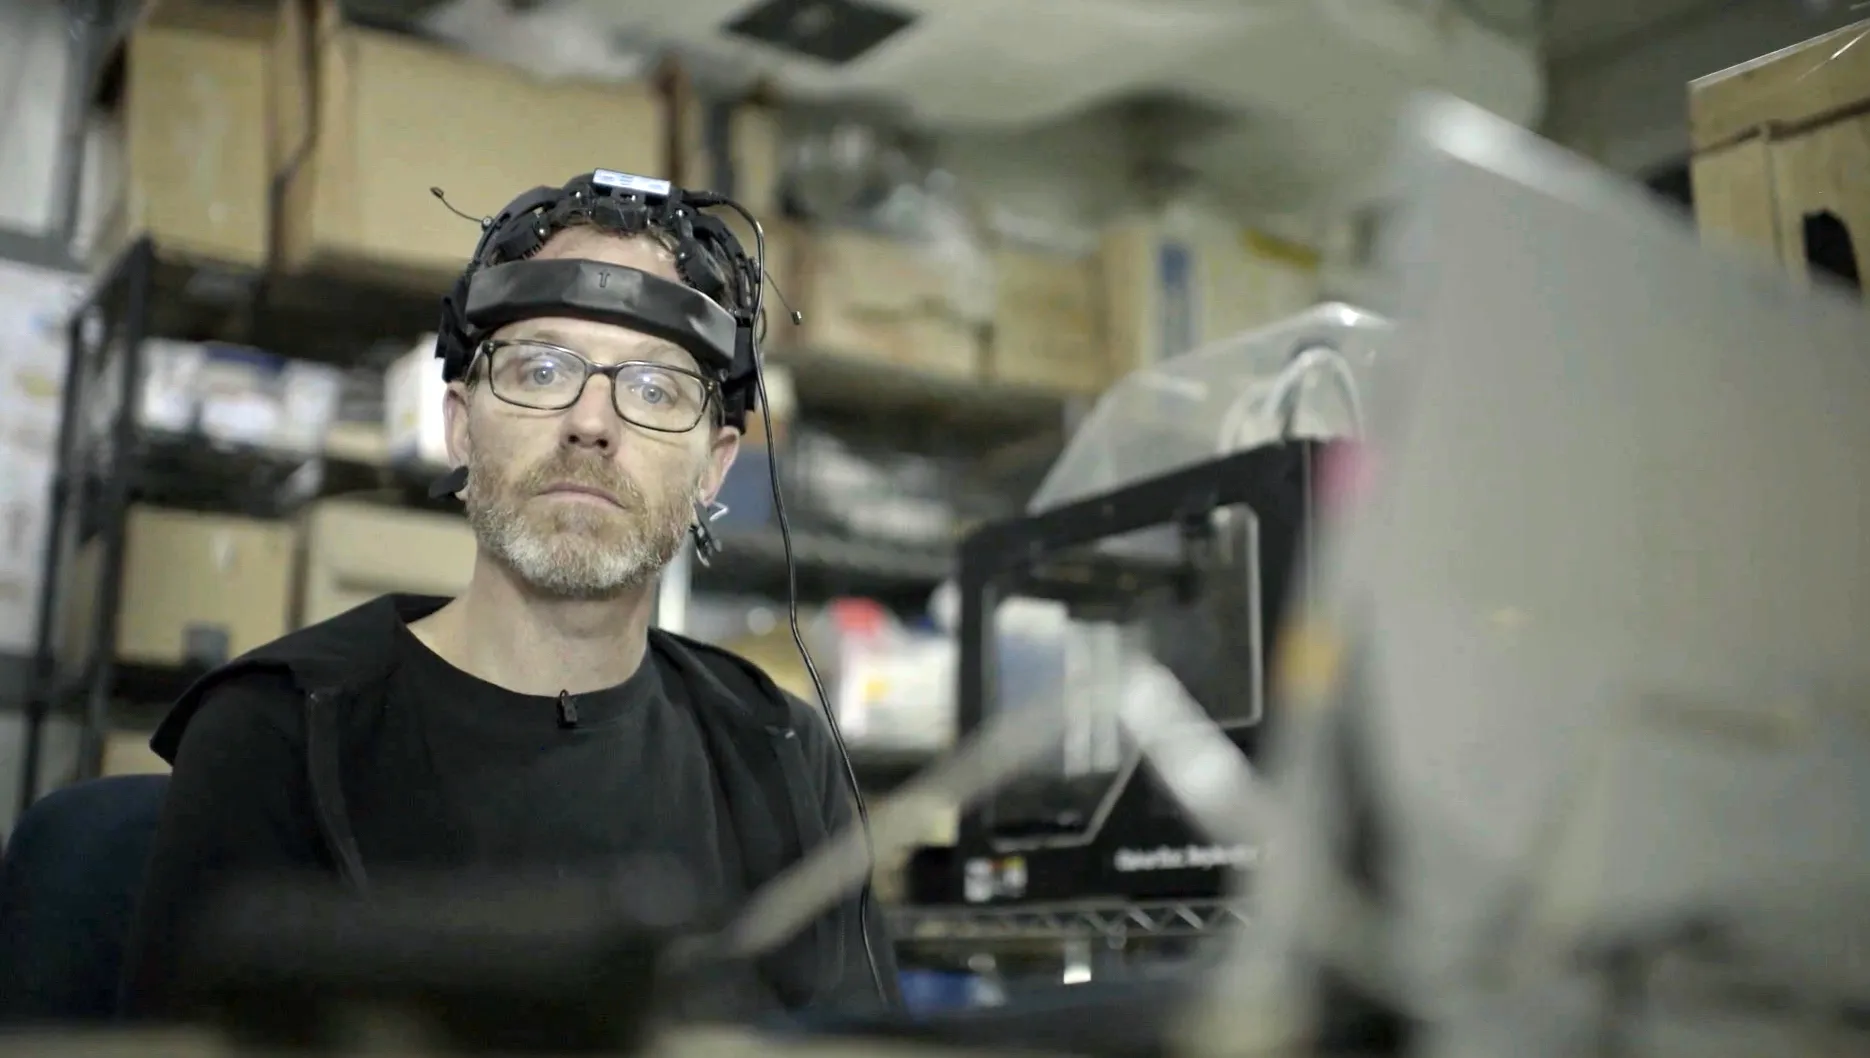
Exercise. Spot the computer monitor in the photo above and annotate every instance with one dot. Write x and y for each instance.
(1602, 622)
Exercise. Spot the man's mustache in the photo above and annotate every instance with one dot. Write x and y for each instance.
(586, 472)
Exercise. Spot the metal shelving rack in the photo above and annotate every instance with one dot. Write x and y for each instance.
(1103, 920)
(1023, 945)
(97, 474)
(85, 504)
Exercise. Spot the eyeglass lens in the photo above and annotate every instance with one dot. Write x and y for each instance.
(548, 378)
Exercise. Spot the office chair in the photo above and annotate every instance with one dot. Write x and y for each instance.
(69, 882)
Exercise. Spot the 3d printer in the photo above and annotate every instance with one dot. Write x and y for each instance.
(1156, 558)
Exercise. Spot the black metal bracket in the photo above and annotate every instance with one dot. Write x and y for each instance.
(1047, 555)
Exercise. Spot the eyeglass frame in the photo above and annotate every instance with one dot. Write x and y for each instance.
(710, 389)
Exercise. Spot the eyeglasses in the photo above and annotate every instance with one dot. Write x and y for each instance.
(546, 377)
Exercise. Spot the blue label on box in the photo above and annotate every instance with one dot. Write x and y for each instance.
(1175, 299)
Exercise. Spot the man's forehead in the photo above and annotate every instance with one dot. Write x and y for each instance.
(601, 343)
(593, 244)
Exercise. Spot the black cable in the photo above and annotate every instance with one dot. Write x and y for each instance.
(792, 604)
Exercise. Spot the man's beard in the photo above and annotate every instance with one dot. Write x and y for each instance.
(577, 550)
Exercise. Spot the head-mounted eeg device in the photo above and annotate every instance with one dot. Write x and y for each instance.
(711, 313)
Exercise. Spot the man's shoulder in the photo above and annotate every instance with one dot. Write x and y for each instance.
(267, 685)
(343, 648)
(256, 703)
(746, 681)
(346, 650)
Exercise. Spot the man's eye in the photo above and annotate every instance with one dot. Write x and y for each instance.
(653, 387)
(540, 373)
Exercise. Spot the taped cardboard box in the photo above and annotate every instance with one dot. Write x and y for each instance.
(1048, 331)
(35, 305)
(414, 430)
(25, 507)
(356, 551)
(368, 122)
(1782, 152)
(191, 127)
(196, 587)
(1174, 283)
(870, 298)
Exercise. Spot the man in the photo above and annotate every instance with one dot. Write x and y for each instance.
(537, 722)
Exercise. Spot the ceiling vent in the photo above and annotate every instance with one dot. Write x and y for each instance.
(829, 31)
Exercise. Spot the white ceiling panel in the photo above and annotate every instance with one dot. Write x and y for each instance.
(1314, 84)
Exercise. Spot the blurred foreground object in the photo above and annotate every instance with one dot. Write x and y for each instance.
(1578, 762)
(1782, 144)
(1156, 563)
(517, 966)
(1298, 379)
(697, 1043)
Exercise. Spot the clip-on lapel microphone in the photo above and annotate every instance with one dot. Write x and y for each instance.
(449, 484)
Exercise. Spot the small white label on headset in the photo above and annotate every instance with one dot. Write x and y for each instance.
(642, 185)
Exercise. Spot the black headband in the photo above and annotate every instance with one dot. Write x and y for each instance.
(711, 313)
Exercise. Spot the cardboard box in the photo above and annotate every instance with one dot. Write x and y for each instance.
(1782, 150)
(1174, 283)
(195, 587)
(1047, 328)
(34, 306)
(368, 122)
(356, 551)
(25, 511)
(223, 392)
(865, 297)
(413, 392)
(128, 753)
(193, 121)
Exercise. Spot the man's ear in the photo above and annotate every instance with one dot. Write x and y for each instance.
(721, 454)
(455, 424)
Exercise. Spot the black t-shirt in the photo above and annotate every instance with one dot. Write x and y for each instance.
(461, 776)
(477, 776)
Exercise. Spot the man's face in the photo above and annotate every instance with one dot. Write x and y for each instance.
(579, 503)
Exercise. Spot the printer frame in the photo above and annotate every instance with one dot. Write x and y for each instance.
(1043, 556)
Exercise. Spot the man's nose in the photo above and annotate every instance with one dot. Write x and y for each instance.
(593, 421)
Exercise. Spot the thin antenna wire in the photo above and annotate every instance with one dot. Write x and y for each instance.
(442, 197)
(797, 316)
